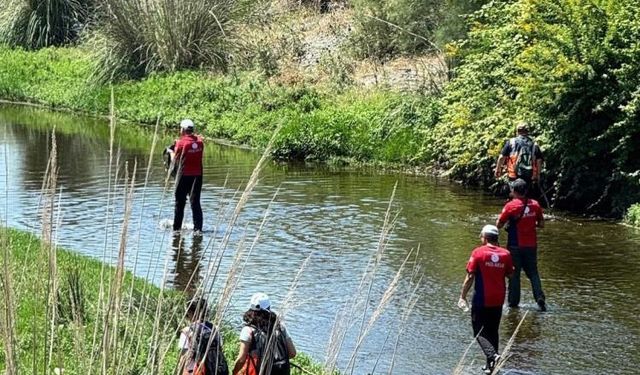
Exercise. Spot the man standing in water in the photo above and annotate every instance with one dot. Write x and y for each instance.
(523, 216)
(187, 156)
(487, 268)
(522, 156)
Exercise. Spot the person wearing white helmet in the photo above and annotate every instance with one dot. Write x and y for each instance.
(487, 269)
(265, 345)
(187, 157)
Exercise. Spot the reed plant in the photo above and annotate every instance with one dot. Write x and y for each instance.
(136, 38)
(34, 24)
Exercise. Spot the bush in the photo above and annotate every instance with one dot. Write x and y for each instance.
(140, 37)
(385, 29)
(572, 71)
(35, 24)
(633, 215)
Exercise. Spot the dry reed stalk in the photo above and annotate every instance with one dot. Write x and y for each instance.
(125, 352)
(8, 311)
(458, 370)
(214, 267)
(384, 301)
(506, 353)
(48, 246)
(408, 308)
(110, 344)
(340, 328)
(100, 302)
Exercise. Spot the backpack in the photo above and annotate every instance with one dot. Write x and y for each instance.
(279, 354)
(525, 157)
(214, 360)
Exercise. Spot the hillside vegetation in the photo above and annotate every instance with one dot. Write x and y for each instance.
(437, 83)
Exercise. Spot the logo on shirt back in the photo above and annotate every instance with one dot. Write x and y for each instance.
(495, 261)
(194, 146)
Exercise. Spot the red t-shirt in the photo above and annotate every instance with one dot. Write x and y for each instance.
(189, 150)
(522, 232)
(490, 264)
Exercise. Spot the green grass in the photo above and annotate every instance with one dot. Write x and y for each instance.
(75, 326)
(363, 126)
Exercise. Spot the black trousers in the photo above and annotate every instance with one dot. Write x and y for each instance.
(486, 323)
(188, 186)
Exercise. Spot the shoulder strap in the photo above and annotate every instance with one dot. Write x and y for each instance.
(524, 209)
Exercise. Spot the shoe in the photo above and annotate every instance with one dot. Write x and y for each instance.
(513, 306)
(491, 364)
(542, 304)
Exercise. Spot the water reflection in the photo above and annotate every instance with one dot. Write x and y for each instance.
(186, 257)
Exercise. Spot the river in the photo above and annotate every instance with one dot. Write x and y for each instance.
(334, 216)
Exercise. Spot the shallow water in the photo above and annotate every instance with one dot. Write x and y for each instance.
(589, 268)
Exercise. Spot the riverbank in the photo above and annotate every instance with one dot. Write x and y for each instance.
(455, 134)
(71, 336)
(316, 124)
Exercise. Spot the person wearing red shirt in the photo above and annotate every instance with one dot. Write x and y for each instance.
(487, 269)
(187, 156)
(523, 217)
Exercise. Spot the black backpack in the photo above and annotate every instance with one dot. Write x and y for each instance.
(215, 362)
(279, 355)
(525, 148)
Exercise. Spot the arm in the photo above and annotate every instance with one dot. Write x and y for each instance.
(504, 154)
(503, 217)
(466, 285)
(499, 166)
(540, 219)
(291, 348)
(242, 357)
(537, 169)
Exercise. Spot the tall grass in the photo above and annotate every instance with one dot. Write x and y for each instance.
(34, 24)
(140, 37)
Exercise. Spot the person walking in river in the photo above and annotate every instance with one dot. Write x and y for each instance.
(265, 345)
(523, 216)
(187, 156)
(487, 269)
(522, 157)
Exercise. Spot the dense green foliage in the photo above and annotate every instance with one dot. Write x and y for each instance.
(35, 24)
(632, 216)
(317, 125)
(571, 69)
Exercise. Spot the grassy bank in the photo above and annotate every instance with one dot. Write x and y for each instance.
(69, 341)
(317, 124)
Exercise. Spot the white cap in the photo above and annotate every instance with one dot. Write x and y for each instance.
(186, 124)
(491, 230)
(260, 301)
